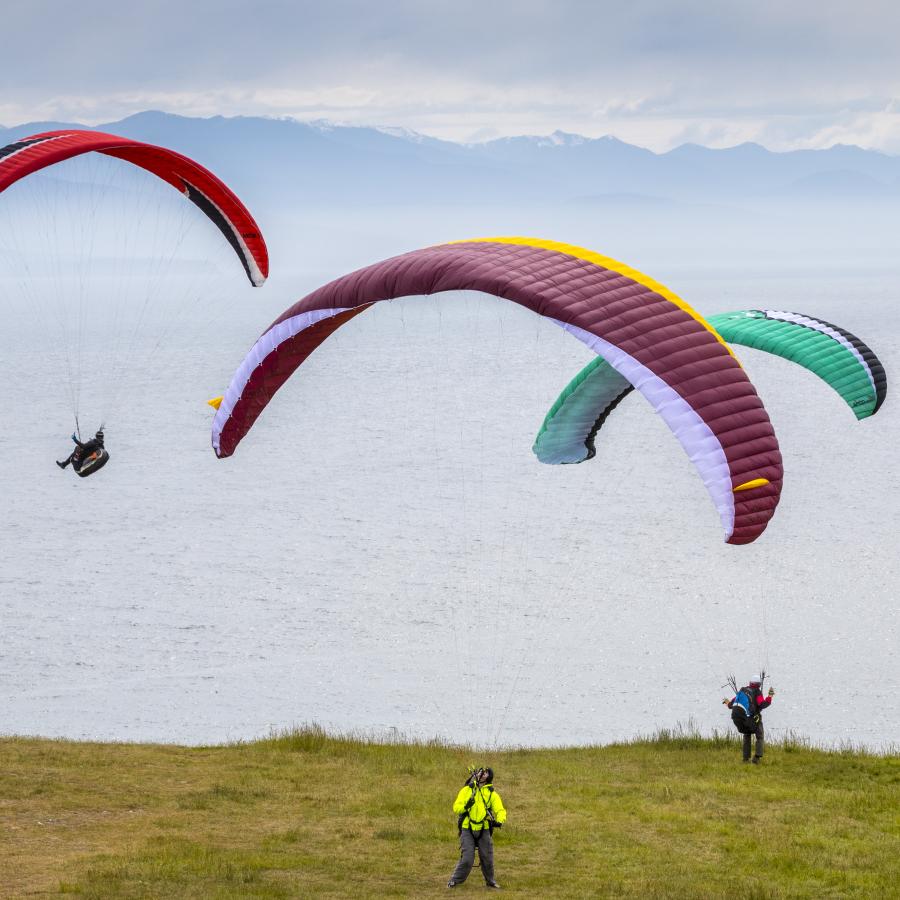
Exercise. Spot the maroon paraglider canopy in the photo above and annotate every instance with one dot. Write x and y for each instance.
(652, 338)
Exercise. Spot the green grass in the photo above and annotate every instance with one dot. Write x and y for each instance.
(305, 814)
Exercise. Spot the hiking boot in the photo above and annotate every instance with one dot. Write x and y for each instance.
(745, 760)
(451, 883)
(756, 760)
(61, 465)
(492, 884)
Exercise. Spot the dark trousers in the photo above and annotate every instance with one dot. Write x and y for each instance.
(760, 741)
(76, 457)
(467, 844)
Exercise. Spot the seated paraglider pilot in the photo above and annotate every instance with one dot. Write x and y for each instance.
(83, 451)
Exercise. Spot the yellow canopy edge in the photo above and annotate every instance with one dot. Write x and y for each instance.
(606, 263)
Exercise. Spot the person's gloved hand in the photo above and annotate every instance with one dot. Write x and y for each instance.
(771, 692)
(725, 702)
(74, 438)
(498, 824)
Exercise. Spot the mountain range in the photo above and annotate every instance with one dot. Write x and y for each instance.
(283, 161)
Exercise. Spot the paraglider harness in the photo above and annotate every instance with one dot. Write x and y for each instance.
(745, 712)
(95, 460)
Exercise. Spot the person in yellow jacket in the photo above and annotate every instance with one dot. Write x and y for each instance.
(479, 810)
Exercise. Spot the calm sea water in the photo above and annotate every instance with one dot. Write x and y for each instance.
(384, 553)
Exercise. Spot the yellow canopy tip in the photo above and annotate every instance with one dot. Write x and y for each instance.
(216, 402)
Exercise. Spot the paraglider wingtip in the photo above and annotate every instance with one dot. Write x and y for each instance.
(216, 402)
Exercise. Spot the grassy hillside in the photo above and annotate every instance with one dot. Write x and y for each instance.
(307, 815)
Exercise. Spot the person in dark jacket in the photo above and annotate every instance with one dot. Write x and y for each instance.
(758, 704)
(479, 810)
(82, 451)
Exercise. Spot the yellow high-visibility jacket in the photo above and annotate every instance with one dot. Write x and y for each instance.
(486, 798)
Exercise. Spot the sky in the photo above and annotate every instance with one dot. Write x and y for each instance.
(658, 73)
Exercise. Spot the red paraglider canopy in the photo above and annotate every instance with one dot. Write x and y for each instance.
(212, 196)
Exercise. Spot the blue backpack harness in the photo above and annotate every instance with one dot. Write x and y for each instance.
(744, 711)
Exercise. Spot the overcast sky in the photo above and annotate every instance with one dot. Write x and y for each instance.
(791, 73)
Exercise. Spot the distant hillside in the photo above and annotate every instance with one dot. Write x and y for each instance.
(283, 161)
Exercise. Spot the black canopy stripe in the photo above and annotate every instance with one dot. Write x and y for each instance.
(589, 441)
(196, 196)
(876, 369)
(18, 146)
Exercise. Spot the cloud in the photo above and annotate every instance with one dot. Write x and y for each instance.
(655, 72)
(879, 128)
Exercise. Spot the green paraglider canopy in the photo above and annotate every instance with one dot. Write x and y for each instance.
(838, 357)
